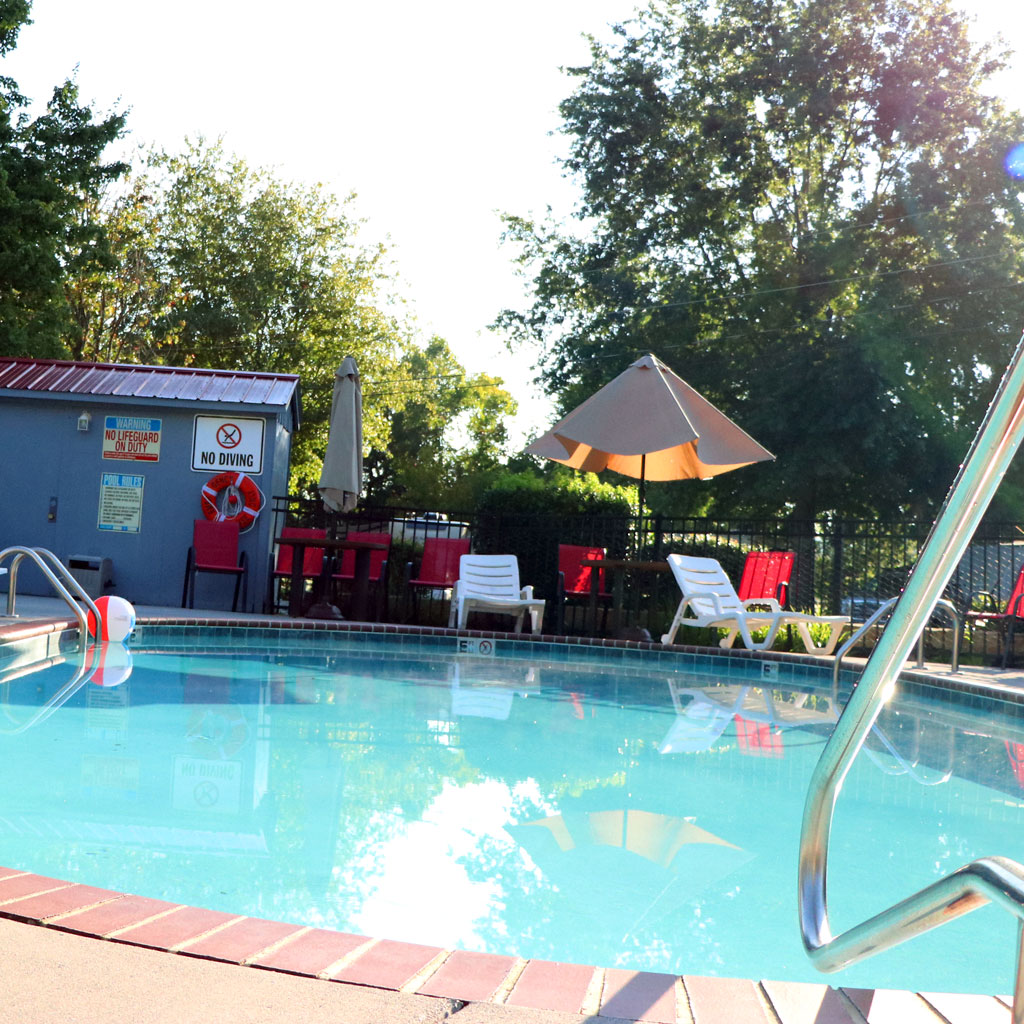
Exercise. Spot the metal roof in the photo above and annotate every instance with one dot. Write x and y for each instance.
(58, 376)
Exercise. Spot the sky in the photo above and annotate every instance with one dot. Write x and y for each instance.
(438, 116)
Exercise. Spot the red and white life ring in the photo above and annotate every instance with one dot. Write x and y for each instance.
(241, 503)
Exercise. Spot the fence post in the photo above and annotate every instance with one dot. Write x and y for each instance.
(837, 567)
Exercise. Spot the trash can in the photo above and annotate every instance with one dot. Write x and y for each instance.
(93, 573)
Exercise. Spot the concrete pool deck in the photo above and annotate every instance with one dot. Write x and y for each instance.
(74, 953)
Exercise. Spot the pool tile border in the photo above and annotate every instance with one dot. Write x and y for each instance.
(465, 977)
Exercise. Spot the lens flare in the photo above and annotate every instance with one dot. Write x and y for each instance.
(1015, 162)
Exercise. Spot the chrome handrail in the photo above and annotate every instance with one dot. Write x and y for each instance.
(991, 879)
(882, 609)
(40, 556)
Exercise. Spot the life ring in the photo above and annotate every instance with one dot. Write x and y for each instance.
(241, 504)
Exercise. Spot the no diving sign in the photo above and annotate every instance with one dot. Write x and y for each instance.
(220, 443)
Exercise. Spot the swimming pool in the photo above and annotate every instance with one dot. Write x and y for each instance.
(616, 807)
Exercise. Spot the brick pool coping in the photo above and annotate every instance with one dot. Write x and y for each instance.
(458, 976)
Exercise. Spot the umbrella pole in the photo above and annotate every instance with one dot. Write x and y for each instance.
(640, 511)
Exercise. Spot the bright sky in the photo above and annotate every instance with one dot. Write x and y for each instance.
(437, 115)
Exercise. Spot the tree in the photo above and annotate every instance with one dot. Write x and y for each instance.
(801, 206)
(50, 170)
(119, 309)
(447, 431)
(222, 265)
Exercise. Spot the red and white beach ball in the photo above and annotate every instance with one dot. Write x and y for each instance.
(111, 664)
(117, 619)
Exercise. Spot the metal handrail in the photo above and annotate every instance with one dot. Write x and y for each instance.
(882, 609)
(40, 556)
(991, 879)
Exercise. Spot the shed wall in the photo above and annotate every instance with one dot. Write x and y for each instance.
(47, 463)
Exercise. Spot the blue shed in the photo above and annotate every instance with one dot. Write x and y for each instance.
(109, 461)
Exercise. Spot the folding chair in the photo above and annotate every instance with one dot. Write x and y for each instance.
(312, 560)
(378, 567)
(214, 550)
(439, 568)
(575, 579)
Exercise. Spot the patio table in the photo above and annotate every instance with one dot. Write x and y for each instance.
(322, 608)
(618, 567)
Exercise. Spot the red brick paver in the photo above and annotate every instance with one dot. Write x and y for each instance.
(59, 901)
(545, 985)
(312, 952)
(472, 977)
(889, 1006)
(16, 887)
(639, 995)
(242, 940)
(726, 1000)
(113, 916)
(388, 964)
(798, 1002)
(179, 928)
(965, 1009)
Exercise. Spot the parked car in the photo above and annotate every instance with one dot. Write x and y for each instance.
(429, 524)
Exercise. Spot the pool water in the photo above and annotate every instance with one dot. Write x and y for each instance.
(632, 813)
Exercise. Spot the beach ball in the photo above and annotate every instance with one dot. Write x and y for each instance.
(111, 664)
(117, 619)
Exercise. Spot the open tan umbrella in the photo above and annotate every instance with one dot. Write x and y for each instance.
(649, 424)
(341, 479)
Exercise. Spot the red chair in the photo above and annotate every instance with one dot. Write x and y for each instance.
(766, 576)
(575, 580)
(378, 567)
(439, 567)
(214, 550)
(1006, 620)
(312, 558)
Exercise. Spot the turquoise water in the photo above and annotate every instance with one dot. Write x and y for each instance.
(606, 811)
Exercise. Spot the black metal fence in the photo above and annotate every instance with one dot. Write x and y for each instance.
(842, 566)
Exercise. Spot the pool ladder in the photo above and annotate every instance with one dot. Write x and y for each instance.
(990, 879)
(60, 579)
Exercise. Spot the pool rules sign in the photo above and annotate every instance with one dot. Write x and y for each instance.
(222, 443)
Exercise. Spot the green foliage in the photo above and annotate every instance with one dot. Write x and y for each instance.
(50, 171)
(447, 431)
(559, 493)
(800, 206)
(223, 265)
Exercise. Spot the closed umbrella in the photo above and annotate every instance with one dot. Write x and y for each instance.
(341, 479)
(648, 423)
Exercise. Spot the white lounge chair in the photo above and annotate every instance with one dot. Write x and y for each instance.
(711, 600)
(490, 583)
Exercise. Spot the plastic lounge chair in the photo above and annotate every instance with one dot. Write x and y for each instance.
(214, 550)
(1006, 620)
(765, 581)
(312, 558)
(575, 580)
(378, 567)
(439, 566)
(710, 599)
(490, 583)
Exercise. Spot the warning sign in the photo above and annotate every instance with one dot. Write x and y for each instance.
(131, 437)
(121, 502)
(219, 444)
